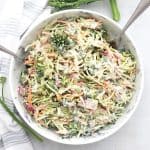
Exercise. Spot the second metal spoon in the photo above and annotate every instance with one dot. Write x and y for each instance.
(142, 6)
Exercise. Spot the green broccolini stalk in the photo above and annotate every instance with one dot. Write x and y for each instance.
(115, 10)
(14, 117)
(64, 4)
(2, 81)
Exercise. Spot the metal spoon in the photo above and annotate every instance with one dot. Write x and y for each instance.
(5, 50)
(16, 56)
(142, 6)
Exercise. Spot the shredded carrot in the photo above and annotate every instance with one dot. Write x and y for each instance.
(29, 98)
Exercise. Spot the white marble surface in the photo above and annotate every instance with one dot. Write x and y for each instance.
(135, 134)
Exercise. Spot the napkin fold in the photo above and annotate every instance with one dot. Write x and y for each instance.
(15, 18)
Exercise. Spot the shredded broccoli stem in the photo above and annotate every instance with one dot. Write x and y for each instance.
(75, 82)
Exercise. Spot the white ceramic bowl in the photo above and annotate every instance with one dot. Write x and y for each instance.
(15, 70)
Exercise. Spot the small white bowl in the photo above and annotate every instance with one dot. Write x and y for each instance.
(15, 70)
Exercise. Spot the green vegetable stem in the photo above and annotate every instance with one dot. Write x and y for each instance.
(115, 10)
(62, 4)
(12, 114)
(65, 4)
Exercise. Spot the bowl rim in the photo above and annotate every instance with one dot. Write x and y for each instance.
(138, 98)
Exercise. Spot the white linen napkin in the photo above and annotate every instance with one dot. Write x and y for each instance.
(15, 18)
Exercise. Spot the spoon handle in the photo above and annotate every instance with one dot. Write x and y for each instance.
(142, 6)
(5, 50)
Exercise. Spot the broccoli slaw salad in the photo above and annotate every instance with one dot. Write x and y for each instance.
(74, 82)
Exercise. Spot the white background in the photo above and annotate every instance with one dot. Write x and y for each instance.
(135, 135)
